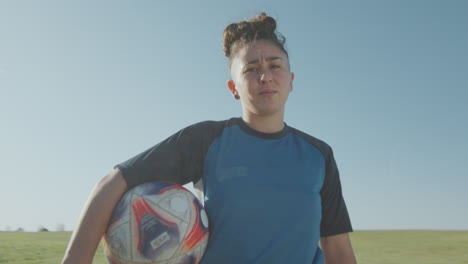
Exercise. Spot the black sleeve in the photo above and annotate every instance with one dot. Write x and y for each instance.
(178, 159)
(335, 218)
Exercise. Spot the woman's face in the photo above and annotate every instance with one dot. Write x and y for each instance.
(261, 77)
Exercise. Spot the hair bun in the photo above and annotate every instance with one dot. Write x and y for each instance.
(259, 27)
(263, 22)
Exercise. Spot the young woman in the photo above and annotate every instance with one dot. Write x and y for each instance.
(272, 193)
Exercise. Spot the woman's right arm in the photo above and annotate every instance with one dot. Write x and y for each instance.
(94, 219)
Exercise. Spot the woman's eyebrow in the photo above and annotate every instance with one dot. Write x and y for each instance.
(268, 59)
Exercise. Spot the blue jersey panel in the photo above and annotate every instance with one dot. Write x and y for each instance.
(263, 199)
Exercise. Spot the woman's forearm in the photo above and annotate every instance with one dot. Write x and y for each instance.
(94, 218)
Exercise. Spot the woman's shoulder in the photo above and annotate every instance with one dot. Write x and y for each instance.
(321, 145)
(209, 127)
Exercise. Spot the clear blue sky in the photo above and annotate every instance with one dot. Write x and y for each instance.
(85, 85)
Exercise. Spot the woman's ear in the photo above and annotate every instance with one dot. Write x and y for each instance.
(232, 86)
(292, 79)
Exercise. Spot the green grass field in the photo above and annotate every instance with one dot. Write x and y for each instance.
(415, 247)
(371, 247)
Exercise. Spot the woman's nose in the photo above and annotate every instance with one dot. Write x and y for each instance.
(265, 76)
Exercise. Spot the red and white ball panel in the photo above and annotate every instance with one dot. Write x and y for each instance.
(157, 222)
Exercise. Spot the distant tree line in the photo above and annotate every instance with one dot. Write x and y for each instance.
(59, 228)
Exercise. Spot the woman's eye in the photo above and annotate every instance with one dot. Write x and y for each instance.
(274, 66)
(250, 69)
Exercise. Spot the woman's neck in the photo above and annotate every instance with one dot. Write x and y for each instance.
(265, 124)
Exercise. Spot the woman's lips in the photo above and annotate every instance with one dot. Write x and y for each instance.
(268, 92)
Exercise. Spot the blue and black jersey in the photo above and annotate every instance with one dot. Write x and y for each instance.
(269, 196)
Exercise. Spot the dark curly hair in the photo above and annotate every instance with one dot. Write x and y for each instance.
(261, 27)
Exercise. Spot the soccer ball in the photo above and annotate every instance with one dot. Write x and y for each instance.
(157, 222)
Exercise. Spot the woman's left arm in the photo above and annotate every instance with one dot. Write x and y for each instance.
(337, 249)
